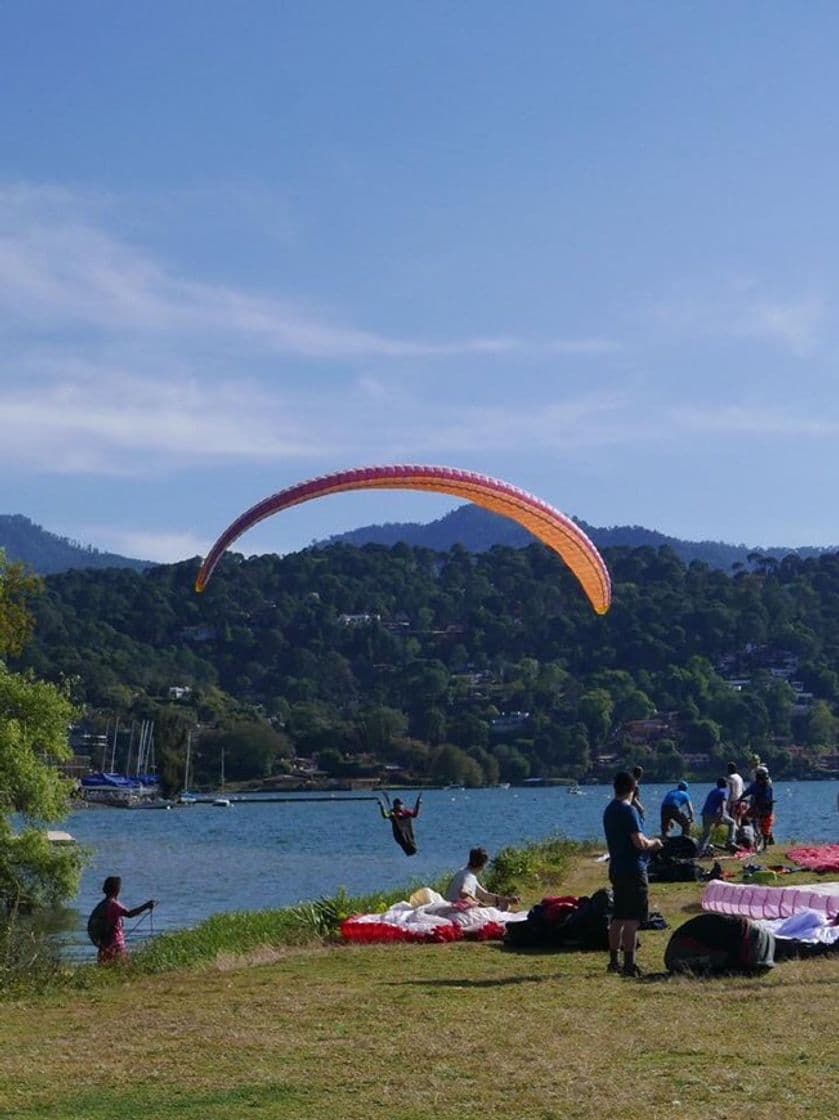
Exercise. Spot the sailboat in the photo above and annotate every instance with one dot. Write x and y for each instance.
(187, 798)
(222, 802)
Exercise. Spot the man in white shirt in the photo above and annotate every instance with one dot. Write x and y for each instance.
(734, 784)
(465, 886)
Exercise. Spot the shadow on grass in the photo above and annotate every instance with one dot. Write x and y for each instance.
(499, 982)
(108, 1104)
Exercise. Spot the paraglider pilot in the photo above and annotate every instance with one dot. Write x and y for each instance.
(402, 822)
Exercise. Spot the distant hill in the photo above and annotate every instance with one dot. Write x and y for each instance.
(478, 530)
(47, 554)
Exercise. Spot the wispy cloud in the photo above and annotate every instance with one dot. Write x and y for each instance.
(113, 362)
(163, 547)
(100, 420)
(59, 271)
(795, 323)
(744, 420)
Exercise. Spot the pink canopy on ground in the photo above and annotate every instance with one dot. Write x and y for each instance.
(825, 857)
(757, 902)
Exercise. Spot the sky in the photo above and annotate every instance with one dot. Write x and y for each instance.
(590, 249)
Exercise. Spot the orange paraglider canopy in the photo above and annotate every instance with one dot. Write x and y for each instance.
(545, 523)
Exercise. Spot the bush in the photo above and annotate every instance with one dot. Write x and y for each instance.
(542, 863)
(29, 960)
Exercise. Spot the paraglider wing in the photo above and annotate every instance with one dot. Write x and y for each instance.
(545, 523)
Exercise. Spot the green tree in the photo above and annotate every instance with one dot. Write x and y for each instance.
(452, 766)
(251, 750)
(821, 726)
(34, 717)
(17, 588)
(595, 711)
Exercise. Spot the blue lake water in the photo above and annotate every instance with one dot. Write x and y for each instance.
(198, 860)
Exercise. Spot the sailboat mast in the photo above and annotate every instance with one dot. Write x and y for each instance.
(105, 744)
(130, 745)
(114, 746)
(186, 764)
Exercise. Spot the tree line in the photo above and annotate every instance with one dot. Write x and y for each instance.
(455, 667)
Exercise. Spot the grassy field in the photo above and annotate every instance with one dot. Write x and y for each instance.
(464, 1030)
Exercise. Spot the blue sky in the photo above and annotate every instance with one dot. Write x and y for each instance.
(590, 249)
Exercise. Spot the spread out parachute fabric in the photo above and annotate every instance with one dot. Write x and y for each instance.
(432, 921)
(546, 523)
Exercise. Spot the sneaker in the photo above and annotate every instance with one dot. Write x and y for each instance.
(614, 966)
(631, 970)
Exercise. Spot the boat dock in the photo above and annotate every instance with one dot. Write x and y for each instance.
(270, 800)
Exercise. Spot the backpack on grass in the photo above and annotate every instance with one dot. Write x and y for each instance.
(716, 943)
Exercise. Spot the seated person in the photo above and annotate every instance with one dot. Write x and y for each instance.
(676, 808)
(744, 837)
(713, 813)
(465, 886)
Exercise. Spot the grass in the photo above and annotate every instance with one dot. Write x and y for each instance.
(318, 1031)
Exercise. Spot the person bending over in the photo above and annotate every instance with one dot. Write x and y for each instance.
(466, 887)
(714, 812)
(676, 808)
(628, 847)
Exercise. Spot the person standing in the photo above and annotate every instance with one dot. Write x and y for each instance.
(628, 847)
(714, 813)
(638, 774)
(106, 926)
(734, 785)
(676, 808)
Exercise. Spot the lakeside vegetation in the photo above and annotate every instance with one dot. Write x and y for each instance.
(260, 1024)
(407, 665)
(30, 961)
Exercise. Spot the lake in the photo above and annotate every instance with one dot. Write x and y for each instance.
(200, 859)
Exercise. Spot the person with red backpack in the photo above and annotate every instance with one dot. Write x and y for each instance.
(106, 925)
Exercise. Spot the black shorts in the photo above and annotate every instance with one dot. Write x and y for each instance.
(631, 897)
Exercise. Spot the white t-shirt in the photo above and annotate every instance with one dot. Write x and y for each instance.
(464, 880)
(734, 782)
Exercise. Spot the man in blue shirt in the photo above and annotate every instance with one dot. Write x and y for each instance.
(714, 812)
(676, 807)
(628, 847)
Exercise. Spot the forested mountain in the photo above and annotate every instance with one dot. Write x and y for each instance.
(477, 530)
(45, 553)
(460, 667)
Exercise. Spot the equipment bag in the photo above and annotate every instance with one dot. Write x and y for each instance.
(715, 943)
(97, 924)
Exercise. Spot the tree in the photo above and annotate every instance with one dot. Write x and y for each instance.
(513, 766)
(452, 766)
(821, 726)
(34, 717)
(17, 587)
(251, 749)
(595, 710)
